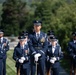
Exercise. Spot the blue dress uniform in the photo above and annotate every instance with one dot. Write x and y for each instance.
(38, 45)
(3, 56)
(49, 34)
(57, 54)
(72, 53)
(23, 68)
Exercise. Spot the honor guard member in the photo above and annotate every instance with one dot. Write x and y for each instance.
(55, 54)
(51, 33)
(38, 47)
(72, 53)
(4, 47)
(22, 56)
(25, 33)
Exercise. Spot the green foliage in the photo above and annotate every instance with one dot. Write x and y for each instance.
(14, 16)
(10, 63)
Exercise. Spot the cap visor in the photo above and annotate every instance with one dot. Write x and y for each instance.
(53, 39)
(21, 39)
(37, 24)
(1, 32)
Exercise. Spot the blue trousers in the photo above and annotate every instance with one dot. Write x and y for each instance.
(24, 71)
(4, 66)
(40, 67)
(1, 66)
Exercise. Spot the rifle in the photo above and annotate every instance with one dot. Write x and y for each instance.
(36, 67)
(48, 72)
(18, 71)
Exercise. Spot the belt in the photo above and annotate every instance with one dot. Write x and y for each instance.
(39, 48)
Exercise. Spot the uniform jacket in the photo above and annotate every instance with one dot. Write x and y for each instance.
(57, 53)
(4, 49)
(72, 49)
(40, 45)
(18, 53)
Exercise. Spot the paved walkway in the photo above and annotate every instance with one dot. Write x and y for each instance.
(63, 72)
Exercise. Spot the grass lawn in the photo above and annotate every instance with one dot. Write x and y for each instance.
(10, 64)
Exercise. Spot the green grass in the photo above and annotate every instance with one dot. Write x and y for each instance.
(10, 64)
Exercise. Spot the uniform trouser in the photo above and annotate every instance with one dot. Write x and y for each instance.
(51, 70)
(55, 71)
(40, 68)
(25, 71)
(1, 66)
(4, 66)
(73, 69)
(48, 68)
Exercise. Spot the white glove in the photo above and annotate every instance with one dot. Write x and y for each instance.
(36, 59)
(52, 61)
(36, 56)
(23, 58)
(21, 61)
(54, 58)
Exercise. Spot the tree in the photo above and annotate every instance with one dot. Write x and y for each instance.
(14, 16)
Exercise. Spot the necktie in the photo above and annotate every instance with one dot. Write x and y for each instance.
(37, 36)
(22, 47)
(0, 40)
(75, 41)
(53, 49)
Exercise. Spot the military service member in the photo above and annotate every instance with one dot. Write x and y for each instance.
(38, 47)
(50, 33)
(22, 56)
(72, 53)
(55, 54)
(4, 47)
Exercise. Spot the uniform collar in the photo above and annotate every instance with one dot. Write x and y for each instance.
(26, 43)
(74, 41)
(1, 38)
(50, 43)
(38, 33)
(54, 46)
(22, 47)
